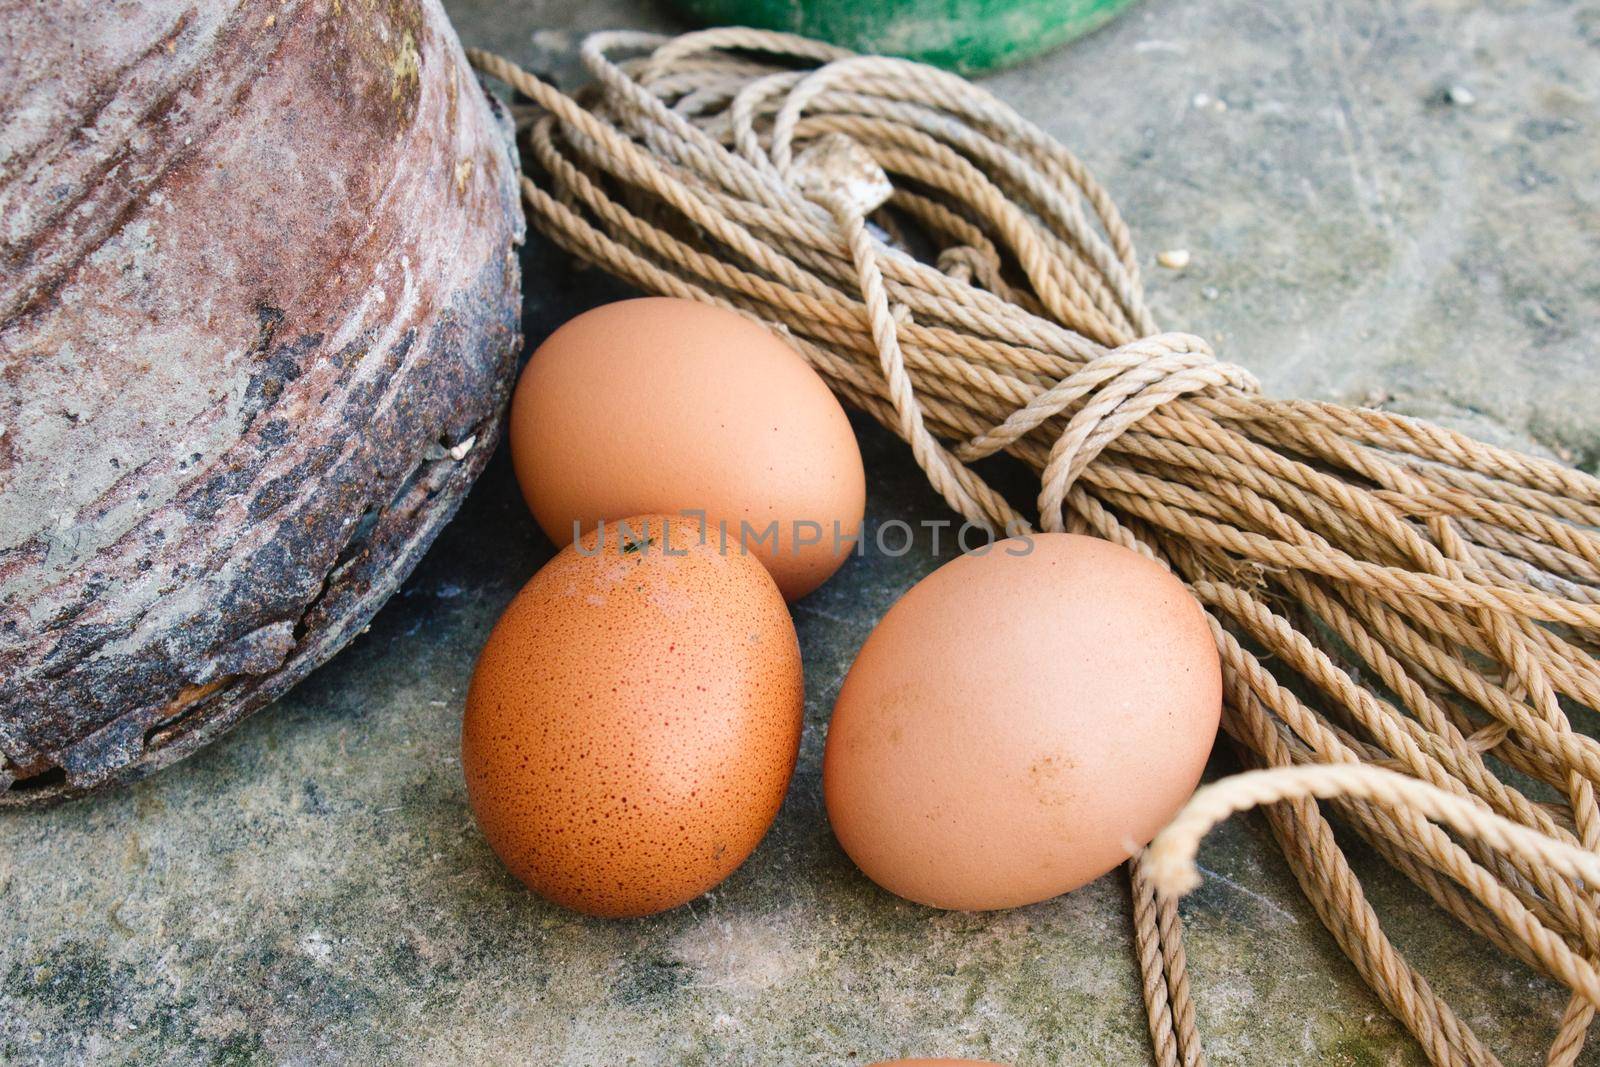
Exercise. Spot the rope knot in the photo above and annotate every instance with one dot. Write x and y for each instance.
(1123, 387)
(1110, 395)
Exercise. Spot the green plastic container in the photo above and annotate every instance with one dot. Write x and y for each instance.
(969, 36)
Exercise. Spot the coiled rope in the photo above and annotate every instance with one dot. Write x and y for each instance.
(1404, 614)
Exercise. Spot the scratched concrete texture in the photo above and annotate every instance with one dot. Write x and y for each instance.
(1384, 202)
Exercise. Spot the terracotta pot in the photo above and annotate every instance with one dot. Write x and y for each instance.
(258, 322)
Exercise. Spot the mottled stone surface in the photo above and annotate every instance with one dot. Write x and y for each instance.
(311, 889)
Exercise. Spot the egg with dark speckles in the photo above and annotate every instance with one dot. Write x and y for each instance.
(634, 718)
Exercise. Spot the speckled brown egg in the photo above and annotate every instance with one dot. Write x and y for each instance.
(1021, 722)
(633, 720)
(664, 405)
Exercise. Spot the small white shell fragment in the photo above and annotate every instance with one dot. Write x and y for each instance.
(1173, 258)
(836, 166)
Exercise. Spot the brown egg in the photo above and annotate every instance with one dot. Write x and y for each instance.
(662, 405)
(633, 720)
(1020, 722)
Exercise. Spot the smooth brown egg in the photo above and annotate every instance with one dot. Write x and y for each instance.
(1021, 722)
(663, 405)
(633, 720)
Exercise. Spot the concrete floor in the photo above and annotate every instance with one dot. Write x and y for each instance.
(311, 889)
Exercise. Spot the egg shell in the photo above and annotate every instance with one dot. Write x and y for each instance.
(1020, 722)
(665, 405)
(633, 719)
